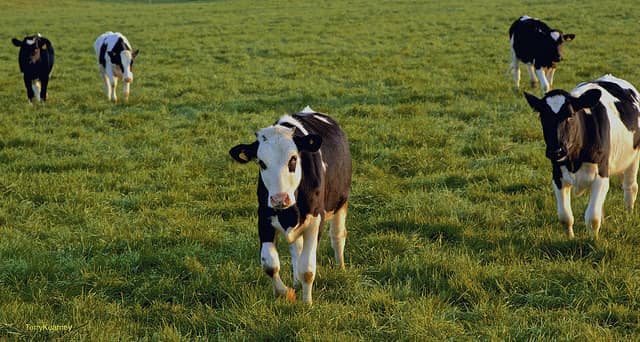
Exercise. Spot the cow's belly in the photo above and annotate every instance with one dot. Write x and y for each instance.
(582, 179)
(622, 154)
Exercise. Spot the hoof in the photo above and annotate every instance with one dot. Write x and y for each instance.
(291, 295)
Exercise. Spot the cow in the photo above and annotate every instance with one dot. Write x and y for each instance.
(36, 59)
(304, 180)
(115, 60)
(539, 47)
(591, 133)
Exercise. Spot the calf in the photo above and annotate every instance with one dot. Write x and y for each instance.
(115, 58)
(536, 45)
(36, 61)
(304, 179)
(591, 133)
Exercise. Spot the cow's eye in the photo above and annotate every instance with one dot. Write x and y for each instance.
(292, 164)
(262, 165)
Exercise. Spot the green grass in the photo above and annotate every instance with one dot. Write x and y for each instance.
(131, 222)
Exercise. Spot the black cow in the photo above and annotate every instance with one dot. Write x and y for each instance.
(36, 58)
(305, 177)
(591, 133)
(537, 45)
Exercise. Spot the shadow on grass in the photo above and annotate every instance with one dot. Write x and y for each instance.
(434, 232)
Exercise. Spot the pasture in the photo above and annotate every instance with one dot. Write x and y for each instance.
(131, 222)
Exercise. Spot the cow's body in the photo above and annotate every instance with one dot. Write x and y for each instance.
(36, 59)
(319, 180)
(115, 60)
(591, 133)
(538, 46)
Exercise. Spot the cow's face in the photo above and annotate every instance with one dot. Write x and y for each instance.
(558, 118)
(30, 48)
(555, 40)
(277, 152)
(123, 63)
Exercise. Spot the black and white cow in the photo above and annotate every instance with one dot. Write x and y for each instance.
(304, 180)
(539, 47)
(591, 133)
(36, 59)
(115, 59)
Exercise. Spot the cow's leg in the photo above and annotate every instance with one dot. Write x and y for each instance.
(593, 216)
(533, 80)
(295, 248)
(565, 214)
(271, 265)
(307, 263)
(515, 67)
(549, 73)
(44, 80)
(544, 84)
(630, 184)
(125, 90)
(114, 84)
(338, 232)
(28, 85)
(35, 85)
(107, 84)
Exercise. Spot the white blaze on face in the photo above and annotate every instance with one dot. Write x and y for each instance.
(556, 102)
(126, 58)
(275, 154)
(555, 35)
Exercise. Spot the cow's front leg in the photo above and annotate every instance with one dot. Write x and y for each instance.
(565, 214)
(44, 80)
(533, 80)
(114, 83)
(630, 184)
(125, 90)
(271, 265)
(515, 69)
(295, 248)
(549, 73)
(35, 85)
(28, 85)
(593, 216)
(544, 83)
(307, 263)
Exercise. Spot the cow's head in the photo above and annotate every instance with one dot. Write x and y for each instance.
(554, 42)
(30, 48)
(278, 152)
(560, 128)
(124, 61)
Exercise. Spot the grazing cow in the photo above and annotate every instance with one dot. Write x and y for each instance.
(115, 58)
(304, 179)
(591, 133)
(36, 61)
(536, 45)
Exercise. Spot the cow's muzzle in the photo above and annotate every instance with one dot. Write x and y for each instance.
(128, 80)
(557, 156)
(280, 201)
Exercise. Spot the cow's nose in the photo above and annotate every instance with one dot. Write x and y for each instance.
(128, 79)
(280, 201)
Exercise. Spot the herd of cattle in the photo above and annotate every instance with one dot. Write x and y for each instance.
(591, 132)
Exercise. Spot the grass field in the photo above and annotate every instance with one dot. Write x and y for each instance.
(130, 221)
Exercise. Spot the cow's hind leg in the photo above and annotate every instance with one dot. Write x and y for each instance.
(44, 80)
(35, 85)
(630, 183)
(565, 214)
(28, 85)
(549, 73)
(594, 214)
(515, 68)
(114, 84)
(338, 232)
(271, 265)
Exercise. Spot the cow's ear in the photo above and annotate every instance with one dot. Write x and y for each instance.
(135, 53)
(243, 153)
(308, 143)
(588, 99)
(534, 102)
(568, 37)
(16, 42)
